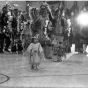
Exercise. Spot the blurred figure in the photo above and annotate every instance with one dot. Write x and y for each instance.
(14, 27)
(1, 36)
(75, 8)
(1, 41)
(85, 7)
(75, 27)
(4, 34)
(84, 30)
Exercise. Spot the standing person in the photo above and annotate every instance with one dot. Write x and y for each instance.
(69, 31)
(8, 31)
(74, 12)
(70, 38)
(7, 41)
(35, 51)
(14, 27)
(4, 24)
(1, 36)
(84, 30)
(85, 7)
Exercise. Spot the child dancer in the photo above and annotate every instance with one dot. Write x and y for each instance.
(35, 53)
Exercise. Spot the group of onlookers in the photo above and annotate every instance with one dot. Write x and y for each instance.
(79, 32)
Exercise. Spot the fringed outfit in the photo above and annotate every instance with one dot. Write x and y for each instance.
(35, 51)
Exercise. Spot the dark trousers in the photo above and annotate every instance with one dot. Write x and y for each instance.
(78, 44)
(70, 42)
(2, 37)
(13, 34)
(7, 42)
(4, 40)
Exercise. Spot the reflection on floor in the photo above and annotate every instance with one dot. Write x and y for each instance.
(15, 72)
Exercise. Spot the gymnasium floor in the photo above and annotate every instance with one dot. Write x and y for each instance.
(15, 72)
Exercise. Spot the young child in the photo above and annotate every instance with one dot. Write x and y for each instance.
(58, 51)
(35, 53)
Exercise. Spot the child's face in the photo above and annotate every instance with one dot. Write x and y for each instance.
(35, 40)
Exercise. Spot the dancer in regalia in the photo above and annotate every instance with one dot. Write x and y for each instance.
(35, 51)
(58, 23)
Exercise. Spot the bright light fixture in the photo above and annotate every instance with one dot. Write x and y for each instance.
(83, 19)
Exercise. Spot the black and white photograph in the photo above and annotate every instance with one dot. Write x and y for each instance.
(43, 44)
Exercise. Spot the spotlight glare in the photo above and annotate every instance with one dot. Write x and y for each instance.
(83, 19)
